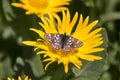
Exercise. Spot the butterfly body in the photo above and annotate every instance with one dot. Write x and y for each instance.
(62, 42)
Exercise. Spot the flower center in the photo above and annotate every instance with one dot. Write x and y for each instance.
(39, 4)
(64, 54)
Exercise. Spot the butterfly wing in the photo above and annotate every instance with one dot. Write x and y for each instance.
(71, 43)
(54, 40)
(76, 43)
(62, 42)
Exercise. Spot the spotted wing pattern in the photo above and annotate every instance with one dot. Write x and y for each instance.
(71, 43)
(54, 40)
(62, 42)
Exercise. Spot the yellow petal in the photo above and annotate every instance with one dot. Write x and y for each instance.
(57, 18)
(19, 78)
(41, 52)
(9, 78)
(96, 50)
(78, 27)
(45, 25)
(30, 43)
(42, 7)
(67, 23)
(26, 78)
(88, 28)
(90, 57)
(91, 34)
(61, 29)
(17, 5)
(76, 62)
(49, 64)
(39, 32)
(52, 24)
(66, 67)
(72, 23)
(85, 23)
(36, 44)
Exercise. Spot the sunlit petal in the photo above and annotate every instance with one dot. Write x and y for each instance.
(89, 40)
(42, 7)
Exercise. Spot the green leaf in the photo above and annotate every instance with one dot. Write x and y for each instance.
(5, 68)
(110, 16)
(36, 66)
(7, 9)
(92, 70)
(89, 3)
(106, 76)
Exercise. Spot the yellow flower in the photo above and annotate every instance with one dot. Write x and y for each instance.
(82, 41)
(19, 78)
(42, 7)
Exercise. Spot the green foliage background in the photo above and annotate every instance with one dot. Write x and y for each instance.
(16, 59)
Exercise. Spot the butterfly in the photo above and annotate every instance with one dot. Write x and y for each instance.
(62, 42)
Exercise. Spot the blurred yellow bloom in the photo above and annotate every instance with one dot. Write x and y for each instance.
(42, 7)
(19, 78)
(76, 43)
